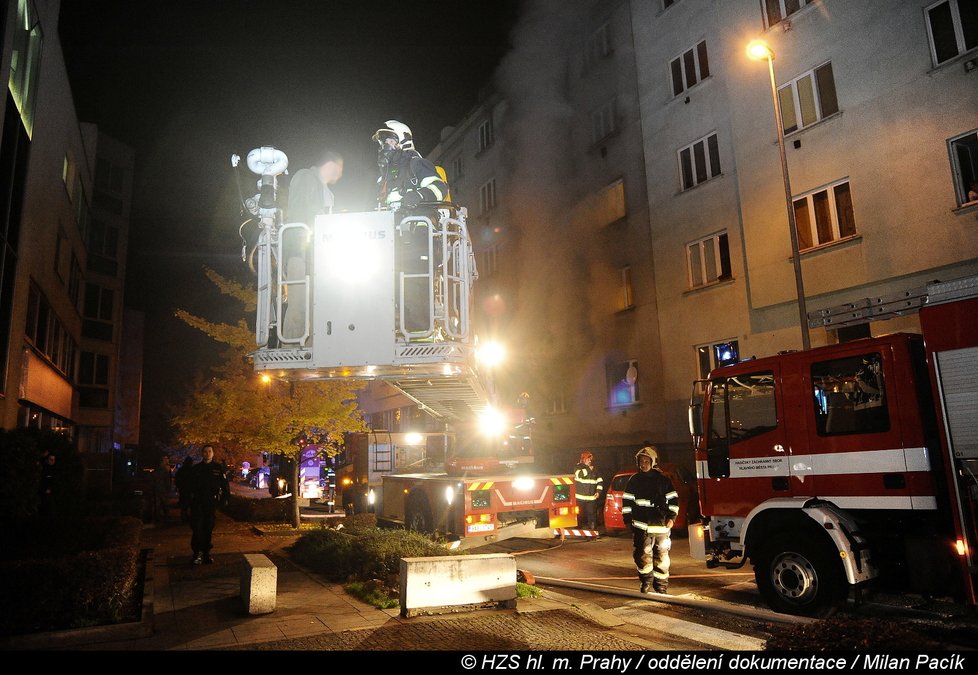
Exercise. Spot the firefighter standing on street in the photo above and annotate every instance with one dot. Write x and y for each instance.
(650, 505)
(588, 485)
(208, 489)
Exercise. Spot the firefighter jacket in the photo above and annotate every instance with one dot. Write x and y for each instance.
(410, 180)
(209, 486)
(587, 483)
(649, 502)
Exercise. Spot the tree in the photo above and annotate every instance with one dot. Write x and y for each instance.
(246, 414)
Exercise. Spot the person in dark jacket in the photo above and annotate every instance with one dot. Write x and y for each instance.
(208, 489)
(410, 184)
(650, 504)
(182, 480)
(588, 485)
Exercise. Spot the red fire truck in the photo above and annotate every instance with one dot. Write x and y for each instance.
(853, 463)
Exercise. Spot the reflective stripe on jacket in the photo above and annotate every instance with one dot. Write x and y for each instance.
(649, 501)
(588, 484)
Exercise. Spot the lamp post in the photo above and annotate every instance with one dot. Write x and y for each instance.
(758, 50)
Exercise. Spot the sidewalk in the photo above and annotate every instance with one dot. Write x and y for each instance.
(199, 608)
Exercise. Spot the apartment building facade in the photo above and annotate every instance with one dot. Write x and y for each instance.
(66, 193)
(880, 116)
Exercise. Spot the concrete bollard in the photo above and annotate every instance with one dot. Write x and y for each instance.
(259, 581)
(447, 583)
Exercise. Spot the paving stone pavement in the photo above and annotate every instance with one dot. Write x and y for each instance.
(199, 608)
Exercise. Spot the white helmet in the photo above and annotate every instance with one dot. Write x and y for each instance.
(649, 451)
(398, 130)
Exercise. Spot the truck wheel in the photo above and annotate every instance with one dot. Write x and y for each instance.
(800, 577)
(418, 516)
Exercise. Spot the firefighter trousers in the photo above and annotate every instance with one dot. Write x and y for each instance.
(651, 555)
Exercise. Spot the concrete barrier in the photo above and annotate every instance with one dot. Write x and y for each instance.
(259, 581)
(447, 583)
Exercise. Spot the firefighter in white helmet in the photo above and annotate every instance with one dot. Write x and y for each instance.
(406, 178)
(650, 505)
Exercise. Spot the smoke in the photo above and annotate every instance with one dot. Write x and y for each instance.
(550, 261)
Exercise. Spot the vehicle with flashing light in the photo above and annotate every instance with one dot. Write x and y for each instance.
(386, 295)
(849, 466)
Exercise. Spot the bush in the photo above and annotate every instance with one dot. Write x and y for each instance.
(266, 510)
(70, 574)
(362, 553)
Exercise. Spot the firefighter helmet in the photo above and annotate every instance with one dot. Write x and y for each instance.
(586, 457)
(399, 132)
(649, 451)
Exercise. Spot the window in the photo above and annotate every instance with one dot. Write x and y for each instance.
(743, 407)
(689, 68)
(777, 10)
(488, 260)
(81, 208)
(98, 312)
(824, 216)
(485, 135)
(596, 46)
(74, 281)
(487, 196)
(108, 176)
(850, 396)
(717, 355)
(62, 249)
(708, 260)
(623, 384)
(25, 60)
(964, 166)
(48, 334)
(808, 99)
(609, 204)
(103, 242)
(699, 161)
(458, 167)
(603, 122)
(556, 405)
(627, 292)
(952, 26)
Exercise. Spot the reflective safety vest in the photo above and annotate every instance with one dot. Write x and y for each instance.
(649, 501)
(588, 484)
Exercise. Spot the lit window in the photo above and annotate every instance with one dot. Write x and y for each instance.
(623, 384)
(716, 355)
(824, 216)
(808, 99)
(699, 161)
(708, 260)
(952, 26)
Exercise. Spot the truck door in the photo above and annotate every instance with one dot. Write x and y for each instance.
(745, 443)
(860, 457)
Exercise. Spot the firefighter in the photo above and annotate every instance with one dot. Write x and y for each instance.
(650, 505)
(410, 182)
(588, 485)
(406, 179)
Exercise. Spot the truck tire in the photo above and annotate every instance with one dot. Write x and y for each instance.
(418, 514)
(799, 575)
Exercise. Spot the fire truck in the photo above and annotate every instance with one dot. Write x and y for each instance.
(386, 295)
(848, 466)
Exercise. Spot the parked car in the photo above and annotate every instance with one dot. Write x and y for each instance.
(685, 485)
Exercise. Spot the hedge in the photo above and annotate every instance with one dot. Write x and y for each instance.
(89, 580)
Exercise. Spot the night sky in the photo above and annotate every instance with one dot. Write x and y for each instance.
(188, 83)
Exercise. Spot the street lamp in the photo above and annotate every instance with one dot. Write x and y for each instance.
(759, 50)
